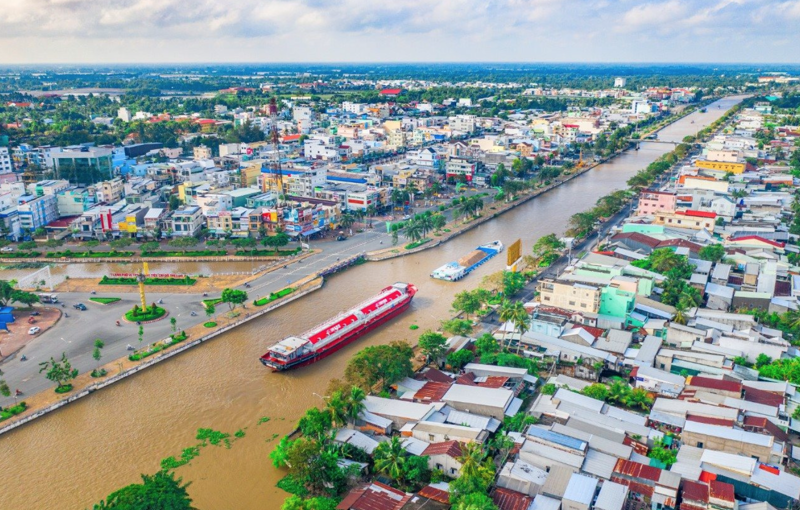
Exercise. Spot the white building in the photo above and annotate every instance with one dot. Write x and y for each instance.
(620, 82)
(124, 114)
(5, 161)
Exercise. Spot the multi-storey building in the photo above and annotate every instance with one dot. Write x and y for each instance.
(35, 212)
(85, 165)
(5, 161)
(187, 221)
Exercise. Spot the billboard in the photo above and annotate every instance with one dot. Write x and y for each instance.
(514, 252)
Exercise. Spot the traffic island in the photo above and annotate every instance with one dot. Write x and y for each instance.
(145, 315)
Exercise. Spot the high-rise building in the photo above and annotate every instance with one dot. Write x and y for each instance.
(5, 161)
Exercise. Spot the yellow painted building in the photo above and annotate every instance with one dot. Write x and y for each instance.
(722, 166)
(129, 225)
(250, 173)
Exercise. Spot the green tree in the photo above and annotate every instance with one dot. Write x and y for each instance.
(149, 246)
(183, 243)
(638, 397)
(712, 252)
(315, 423)
(121, 243)
(467, 302)
(6, 292)
(380, 365)
(60, 372)
(174, 323)
(596, 391)
(459, 327)
(458, 359)
(433, 345)
(160, 491)
(233, 297)
(486, 344)
(97, 353)
(546, 245)
(26, 298)
(762, 359)
(549, 389)
(474, 501)
(390, 457)
(5, 390)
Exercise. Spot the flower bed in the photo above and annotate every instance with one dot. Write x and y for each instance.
(152, 313)
(148, 281)
(105, 300)
(416, 244)
(172, 340)
(87, 254)
(273, 296)
(268, 253)
(199, 253)
(20, 255)
(12, 411)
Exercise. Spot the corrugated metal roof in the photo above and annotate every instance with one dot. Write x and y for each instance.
(490, 397)
(729, 461)
(729, 433)
(579, 400)
(542, 502)
(581, 489)
(599, 464)
(536, 431)
(783, 482)
(506, 499)
(612, 496)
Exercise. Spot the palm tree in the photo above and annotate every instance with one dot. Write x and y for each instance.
(507, 314)
(390, 458)
(425, 223)
(618, 392)
(638, 397)
(336, 405)
(355, 403)
(371, 211)
(793, 319)
(346, 220)
(680, 312)
(471, 460)
(413, 230)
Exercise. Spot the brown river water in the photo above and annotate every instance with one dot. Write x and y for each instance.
(74, 457)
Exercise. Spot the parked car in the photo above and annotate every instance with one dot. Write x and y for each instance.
(34, 330)
(34, 314)
(7, 249)
(79, 306)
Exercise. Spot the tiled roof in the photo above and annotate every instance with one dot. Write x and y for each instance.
(449, 448)
(506, 499)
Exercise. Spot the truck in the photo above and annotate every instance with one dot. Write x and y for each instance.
(48, 297)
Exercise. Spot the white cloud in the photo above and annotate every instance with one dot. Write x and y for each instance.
(296, 30)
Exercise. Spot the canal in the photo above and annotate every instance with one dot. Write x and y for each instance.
(76, 456)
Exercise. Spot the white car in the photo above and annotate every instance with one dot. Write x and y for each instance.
(7, 249)
(34, 330)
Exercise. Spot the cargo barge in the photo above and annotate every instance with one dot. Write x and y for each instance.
(454, 271)
(330, 336)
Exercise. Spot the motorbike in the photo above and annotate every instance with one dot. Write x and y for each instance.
(117, 323)
(194, 314)
(23, 358)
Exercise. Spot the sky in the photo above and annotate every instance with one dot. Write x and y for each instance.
(173, 31)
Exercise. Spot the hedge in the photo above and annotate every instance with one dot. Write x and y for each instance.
(20, 255)
(212, 302)
(148, 281)
(199, 253)
(273, 296)
(87, 254)
(14, 410)
(268, 253)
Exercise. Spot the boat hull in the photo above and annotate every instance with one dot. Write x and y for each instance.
(342, 342)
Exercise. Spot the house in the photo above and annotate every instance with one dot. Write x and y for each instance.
(398, 411)
(506, 499)
(658, 381)
(522, 477)
(444, 457)
(612, 496)
(494, 402)
(374, 496)
(579, 493)
(728, 439)
(435, 432)
(357, 439)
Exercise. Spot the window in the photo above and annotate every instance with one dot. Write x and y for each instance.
(431, 438)
(699, 444)
(453, 471)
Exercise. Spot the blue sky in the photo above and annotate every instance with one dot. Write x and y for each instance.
(35, 31)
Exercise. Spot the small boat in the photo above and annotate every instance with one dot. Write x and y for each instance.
(454, 271)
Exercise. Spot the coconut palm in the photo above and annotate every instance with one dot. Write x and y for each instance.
(638, 397)
(680, 313)
(355, 403)
(507, 314)
(346, 220)
(336, 405)
(471, 460)
(413, 230)
(390, 457)
(618, 392)
(425, 223)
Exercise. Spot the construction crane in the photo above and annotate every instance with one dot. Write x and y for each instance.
(276, 154)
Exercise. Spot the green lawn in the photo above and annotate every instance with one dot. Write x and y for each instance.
(153, 312)
(273, 296)
(148, 281)
(105, 300)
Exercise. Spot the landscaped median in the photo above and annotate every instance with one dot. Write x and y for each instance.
(178, 253)
(12, 411)
(186, 280)
(149, 314)
(105, 300)
(273, 296)
(268, 253)
(69, 254)
(159, 346)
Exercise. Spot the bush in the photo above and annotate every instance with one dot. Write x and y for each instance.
(174, 339)
(105, 300)
(14, 410)
(212, 302)
(416, 244)
(197, 253)
(210, 324)
(87, 254)
(64, 389)
(273, 296)
(152, 312)
(20, 255)
(99, 373)
(268, 253)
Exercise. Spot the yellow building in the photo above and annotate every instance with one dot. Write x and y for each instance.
(722, 166)
(129, 225)
(187, 191)
(249, 174)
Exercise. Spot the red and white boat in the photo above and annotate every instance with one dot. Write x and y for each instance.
(330, 336)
